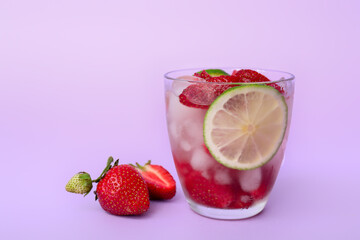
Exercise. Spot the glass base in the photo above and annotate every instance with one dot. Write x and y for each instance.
(229, 214)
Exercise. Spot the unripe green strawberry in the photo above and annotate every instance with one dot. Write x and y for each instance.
(80, 183)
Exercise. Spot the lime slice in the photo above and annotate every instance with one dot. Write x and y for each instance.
(244, 127)
(215, 72)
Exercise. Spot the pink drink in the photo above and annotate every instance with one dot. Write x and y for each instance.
(212, 189)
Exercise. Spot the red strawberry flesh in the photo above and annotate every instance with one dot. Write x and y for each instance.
(203, 74)
(183, 168)
(247, 76)
(201, 95)
(160, 183)
(207, 192)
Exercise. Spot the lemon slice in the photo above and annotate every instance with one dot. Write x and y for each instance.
(245, 126)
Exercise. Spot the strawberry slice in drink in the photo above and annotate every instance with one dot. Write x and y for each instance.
(183, 168)
(248, 76)
(201, 95)
(207, 192)
(203, 74)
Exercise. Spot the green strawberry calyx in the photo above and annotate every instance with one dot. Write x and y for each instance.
(138, 166)
(107, 168)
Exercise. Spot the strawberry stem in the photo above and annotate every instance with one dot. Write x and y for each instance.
(107, 168)
(141, 167)
(116, 162)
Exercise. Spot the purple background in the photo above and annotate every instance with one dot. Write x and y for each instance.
(82, 80)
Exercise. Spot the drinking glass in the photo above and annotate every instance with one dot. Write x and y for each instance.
(211, 187)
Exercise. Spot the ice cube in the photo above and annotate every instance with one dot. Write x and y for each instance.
(178, 86)
(185, 145)
(222, 177)
(177, 112)
(250, 180)
(206, 175)
(185, 122)
(173, 131)
(245, 198)
(200, 160)
(192, 130)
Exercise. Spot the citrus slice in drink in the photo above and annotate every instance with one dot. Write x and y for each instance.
(215, 72)
(245, 126)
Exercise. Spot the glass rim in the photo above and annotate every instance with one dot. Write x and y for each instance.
(290, 76)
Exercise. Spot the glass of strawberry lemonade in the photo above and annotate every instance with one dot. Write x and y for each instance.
(228, 130)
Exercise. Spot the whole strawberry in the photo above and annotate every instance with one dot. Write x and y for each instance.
(159, 181)
(80, 183)
(123, 191)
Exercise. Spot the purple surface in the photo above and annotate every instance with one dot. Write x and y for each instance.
(82, 80)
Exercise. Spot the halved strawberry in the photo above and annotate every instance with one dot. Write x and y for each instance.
(199, 95)
(247, 75)
(207, 192)
(159, 181)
